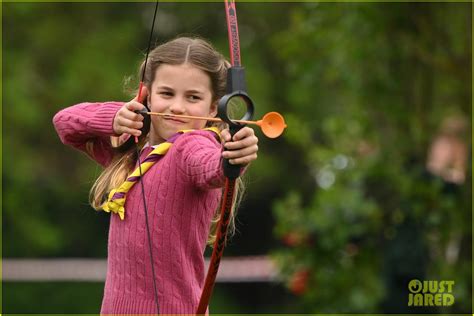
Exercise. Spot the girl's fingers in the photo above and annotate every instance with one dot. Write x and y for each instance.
(243, 138)
(127, 123)
(243, 160)
(132, 116)
(244, 152)
(243, 133)
(127, 130)
(242, 149)
(134, 105)
(246, 142)
(133, 132)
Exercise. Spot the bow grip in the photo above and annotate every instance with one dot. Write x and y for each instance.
(235, 89)
(232, 171)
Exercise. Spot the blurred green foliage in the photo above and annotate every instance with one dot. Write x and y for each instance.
(363, 87)
(367, 92)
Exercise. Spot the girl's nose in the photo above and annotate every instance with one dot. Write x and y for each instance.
(177, 107)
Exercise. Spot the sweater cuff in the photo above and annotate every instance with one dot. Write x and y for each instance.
(102, 122)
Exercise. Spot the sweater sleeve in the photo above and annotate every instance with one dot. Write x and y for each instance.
(199, 159)
(88, 124)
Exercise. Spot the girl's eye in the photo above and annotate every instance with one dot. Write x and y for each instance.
(194, 98)
(166, 94)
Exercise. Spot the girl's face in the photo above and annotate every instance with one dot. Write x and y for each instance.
(179, 89)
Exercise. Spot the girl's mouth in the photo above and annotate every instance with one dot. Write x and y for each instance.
(174, 120)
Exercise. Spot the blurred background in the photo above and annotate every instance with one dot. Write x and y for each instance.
(368, 188)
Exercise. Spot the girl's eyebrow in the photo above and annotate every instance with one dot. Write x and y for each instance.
(164, 87)
(193, 91)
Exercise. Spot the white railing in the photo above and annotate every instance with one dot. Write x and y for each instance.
(232, 269)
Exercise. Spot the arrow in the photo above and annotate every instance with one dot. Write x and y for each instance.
(272, 124)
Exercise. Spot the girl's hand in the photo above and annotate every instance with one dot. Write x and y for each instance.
(242, 149)
(126, 120)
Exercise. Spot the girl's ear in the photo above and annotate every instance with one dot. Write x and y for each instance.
(213, 109)
(148, 99)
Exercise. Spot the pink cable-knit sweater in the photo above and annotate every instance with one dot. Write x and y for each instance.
(182, 191)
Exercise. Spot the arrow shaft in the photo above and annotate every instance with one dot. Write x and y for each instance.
(212, 119)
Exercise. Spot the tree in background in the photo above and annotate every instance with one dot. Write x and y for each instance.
(367, 92)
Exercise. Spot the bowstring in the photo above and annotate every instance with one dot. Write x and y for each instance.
(140, 168)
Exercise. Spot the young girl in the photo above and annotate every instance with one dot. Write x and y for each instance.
(182, 188)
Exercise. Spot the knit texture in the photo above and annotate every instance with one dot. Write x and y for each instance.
(182, 192)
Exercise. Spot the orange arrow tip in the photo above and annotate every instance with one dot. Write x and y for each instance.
(273, 124)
